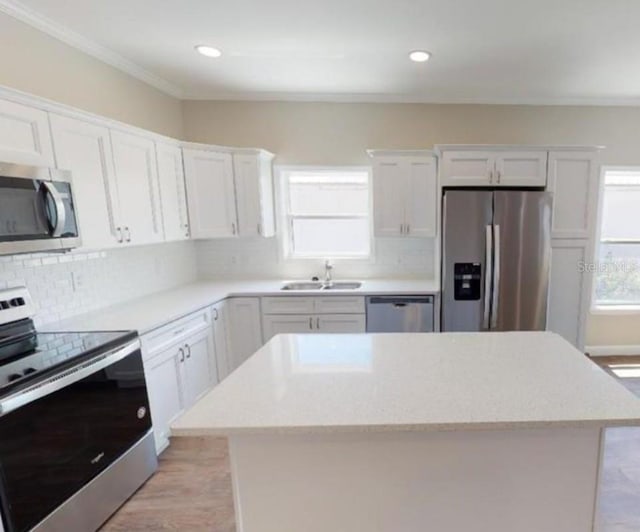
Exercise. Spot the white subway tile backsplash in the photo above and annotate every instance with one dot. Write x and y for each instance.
(78, 282)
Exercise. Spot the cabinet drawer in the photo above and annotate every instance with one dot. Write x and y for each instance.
(176, 331)
(287, 305)
(339, 305)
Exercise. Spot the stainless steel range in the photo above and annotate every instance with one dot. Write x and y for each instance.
(75, 429)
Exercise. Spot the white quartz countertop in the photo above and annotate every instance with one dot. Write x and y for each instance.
(150, 312)
(400, 382)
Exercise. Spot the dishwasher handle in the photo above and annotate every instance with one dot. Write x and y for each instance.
(400, 301)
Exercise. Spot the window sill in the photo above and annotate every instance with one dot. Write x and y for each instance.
(615, 310)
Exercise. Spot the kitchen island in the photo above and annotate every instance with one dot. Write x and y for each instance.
(414, 432)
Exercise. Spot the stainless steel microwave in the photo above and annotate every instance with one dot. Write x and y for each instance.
(37, 212)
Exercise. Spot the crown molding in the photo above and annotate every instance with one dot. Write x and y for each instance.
(303, 97)
(89, 47)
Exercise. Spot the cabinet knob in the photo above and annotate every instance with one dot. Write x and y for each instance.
(128, 234)
(119, 235)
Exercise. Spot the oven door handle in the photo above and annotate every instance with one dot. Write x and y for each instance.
(66, 378)
(61, 213)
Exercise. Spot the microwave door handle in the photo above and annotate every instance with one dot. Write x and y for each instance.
(488, 267)
(61, 213)
(496, 279)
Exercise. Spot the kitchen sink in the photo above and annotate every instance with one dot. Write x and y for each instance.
(344, 285)
(303, 285)
(313, 285)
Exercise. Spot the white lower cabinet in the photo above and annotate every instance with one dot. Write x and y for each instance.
(220, 338)
(244, 328)
(329, 314)
(569, 290)
(180, 367)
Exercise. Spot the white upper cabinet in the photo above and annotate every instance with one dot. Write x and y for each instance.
(573, 179)
(404, 195)
(467, 168)
(85, 150)
(254, 194)
(210, 193)
(521, 169)
(508, 168)
(24, 135)
(172, 192)
(137, 177)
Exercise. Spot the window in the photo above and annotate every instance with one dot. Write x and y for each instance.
(617, 275)
(326, 213)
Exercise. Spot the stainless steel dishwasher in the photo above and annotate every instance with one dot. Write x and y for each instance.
(399, 314)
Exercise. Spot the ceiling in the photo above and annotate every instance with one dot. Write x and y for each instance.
(494, 51)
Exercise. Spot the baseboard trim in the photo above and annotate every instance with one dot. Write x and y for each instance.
(612, 350)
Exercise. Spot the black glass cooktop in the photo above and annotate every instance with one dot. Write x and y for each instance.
(26, 357)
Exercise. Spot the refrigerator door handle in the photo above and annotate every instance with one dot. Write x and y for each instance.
(496, 277)
(487, 276)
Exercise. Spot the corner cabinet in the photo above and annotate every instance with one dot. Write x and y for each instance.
(497, 168)
(24, 135)
(229, 194)
(404, 194)
(244, 329)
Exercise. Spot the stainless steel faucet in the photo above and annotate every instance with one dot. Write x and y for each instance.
(328, 267)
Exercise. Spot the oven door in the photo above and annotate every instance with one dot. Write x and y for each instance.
(54, 445)
(36, 214)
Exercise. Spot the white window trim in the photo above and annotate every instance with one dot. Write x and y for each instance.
(600, 308)
(284, 236)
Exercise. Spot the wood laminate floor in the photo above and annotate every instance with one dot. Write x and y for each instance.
(191, 491)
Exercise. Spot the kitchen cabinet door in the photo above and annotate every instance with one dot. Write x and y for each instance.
(245, 329)
(467, 168)
(172, 192)
(521, 169)
(254, 194)
(138, 190)
(421, 197)
(24, 135)
(220, 338)
(85, 150)
(210, 194)
(273, 324)
(569, 290)
(341, 323)
(389, 196)
(164, 375)
(573, 180)
(200, 370)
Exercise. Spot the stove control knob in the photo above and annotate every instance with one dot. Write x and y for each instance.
(142, 411)
(14, 377)
(28, 371)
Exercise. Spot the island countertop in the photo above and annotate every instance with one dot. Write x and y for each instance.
(411, 382)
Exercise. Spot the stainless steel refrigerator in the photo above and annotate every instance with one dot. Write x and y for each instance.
(496, 252)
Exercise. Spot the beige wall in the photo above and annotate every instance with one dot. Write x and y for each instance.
(34, 62)
(339, 133)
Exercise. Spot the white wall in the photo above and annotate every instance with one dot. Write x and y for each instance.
(34, 62)
(64, 285)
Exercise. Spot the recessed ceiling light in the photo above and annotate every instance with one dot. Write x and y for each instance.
(208, 51)
(419, 56)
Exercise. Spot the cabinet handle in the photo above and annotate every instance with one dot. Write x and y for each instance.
(259, 229)
(408, 228)
(188, 349)
(186, 229)
(119, 234)
(402, 229)
(318, 323)
(233, 227)
(498, 176)
(215, 314)
(310, 323)
(128, 232)
(490, 176)
(181, 351)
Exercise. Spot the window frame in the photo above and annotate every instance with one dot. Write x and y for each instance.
(285, 235)
(599, 307)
